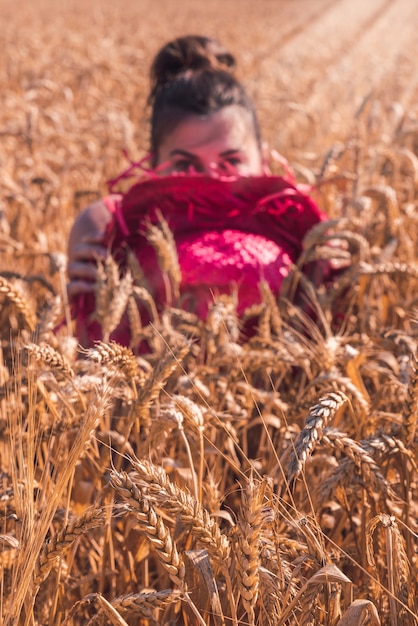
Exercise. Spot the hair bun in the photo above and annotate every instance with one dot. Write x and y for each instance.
(193, 53)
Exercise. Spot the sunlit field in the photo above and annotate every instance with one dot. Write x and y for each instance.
(212, 481)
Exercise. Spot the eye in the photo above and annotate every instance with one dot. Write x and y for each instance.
(183, 165)
(231, 164)
(234, 161)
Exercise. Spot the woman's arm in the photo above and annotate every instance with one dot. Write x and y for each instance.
(85, 247)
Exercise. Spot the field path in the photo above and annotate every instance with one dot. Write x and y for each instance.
(356, 50)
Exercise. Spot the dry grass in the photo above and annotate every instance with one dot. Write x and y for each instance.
(211, 481)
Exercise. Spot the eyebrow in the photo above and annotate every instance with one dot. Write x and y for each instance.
(229, 152)
(178, 151)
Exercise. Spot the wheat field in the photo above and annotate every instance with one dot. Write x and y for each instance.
(211, 481)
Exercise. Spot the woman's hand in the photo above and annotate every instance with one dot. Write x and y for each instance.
(85, 248)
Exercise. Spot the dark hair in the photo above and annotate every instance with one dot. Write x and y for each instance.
(193, 75)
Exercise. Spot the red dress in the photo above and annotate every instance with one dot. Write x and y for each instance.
(230, 233)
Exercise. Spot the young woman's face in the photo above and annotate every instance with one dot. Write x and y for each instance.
(218, 144)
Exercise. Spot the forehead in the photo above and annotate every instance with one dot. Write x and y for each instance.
(229, 128)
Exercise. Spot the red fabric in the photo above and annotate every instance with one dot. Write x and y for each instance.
(265, 205)
(229, 232)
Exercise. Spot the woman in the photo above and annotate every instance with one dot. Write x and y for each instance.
(233, 223)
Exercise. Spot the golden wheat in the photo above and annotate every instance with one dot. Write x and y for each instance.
(175, 446)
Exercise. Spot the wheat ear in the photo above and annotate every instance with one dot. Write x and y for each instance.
(149, 600)
(410, 417)
(397, 567)
(269, 595)
(46, 355)
(142, 604)
(135, 322)
(319, 416)
(112, 295)
(151, 524)
(248, 534)
(54, 547)
(192, 514)
(180, 502)
(120, 358)
(16, 296)
(157, 378)
(354, 451)
(162, 240)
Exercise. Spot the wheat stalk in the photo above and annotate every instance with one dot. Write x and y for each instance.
(36, 530)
